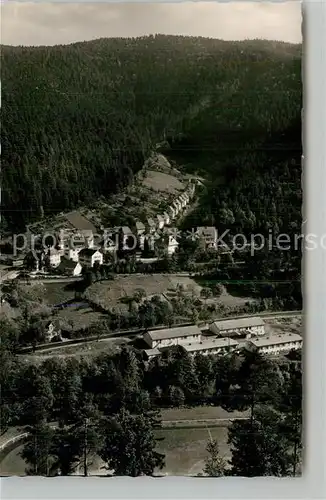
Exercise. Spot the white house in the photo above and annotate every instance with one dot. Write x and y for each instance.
(172, 336)
(69, 267)
(49, 332)
(149, 239)
(52, 329)
(178, 205)
(182, 200)
(54, 257)
(215, 346)
(129, 240)
(172, 211)
(152, 225)
(172, 244)
(186, 196)
(166, 218)
(62, 244)
(140, 228)
(160, 220)
(72, 252)
(170, 240)
(274, 344)
(209, 235)
(250, 326)
(88, 257)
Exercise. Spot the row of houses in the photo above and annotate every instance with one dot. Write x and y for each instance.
(75, 250)
(161, 220)
(68, 257)
(192, 340)
(79, 243)
(82, 244)
(85, 247)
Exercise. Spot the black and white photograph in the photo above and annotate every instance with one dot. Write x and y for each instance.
(152, 239)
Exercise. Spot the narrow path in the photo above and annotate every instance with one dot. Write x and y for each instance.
(200, 422)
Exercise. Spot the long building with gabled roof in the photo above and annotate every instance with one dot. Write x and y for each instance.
(172, 336)
(252, 325)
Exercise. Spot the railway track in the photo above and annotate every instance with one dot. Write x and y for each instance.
(140, 331)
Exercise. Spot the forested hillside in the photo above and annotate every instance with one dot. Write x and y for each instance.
(79, 120)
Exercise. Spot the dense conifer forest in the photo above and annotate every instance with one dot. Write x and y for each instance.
(79, 120)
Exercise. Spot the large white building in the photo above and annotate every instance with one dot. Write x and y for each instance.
(274, 344)
(172, 336)
(215, 346)
(250, 326)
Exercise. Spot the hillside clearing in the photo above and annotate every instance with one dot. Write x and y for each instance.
(160, 181)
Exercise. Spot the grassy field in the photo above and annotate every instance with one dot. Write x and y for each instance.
(56, 293)
(13, 464)
(184, 449)
(225, 298)
(108, 346)
(199, 412)
(78, 316)
(81, 317)
(160, 181)
(110, 293)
